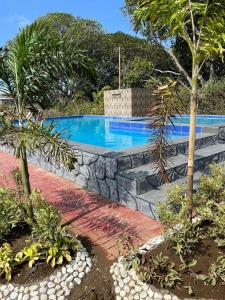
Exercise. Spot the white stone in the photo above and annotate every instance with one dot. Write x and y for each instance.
(126, 280)
(69, 279)
(88, 261)
(75, 274)
(122, 294)
(77, 280)
(143, 295)
(58, 287)
(26, 297)
(121, 284)
(75, 267)
(126, 289)
(131, 283)
(10, 287)
(51, 285)
(175, 298)
(61, 298)
(123, 273)
(79, 254)
(43, 297)
(82, 257)
(34, 298)
(158, 296)
(33, 288)
(150, 293)
(3, 287)
(14, 295)
(117, 290)
(26, 290)
(167, 297)
(59, 293)
(42, 290)
(43, 283)
(1, 295)
(51, 292)
(20, 296)
(63, 270)
(69, 270)
(52, 297)
(6, 292)
(80, 263)
(21, 289)
(137, 288)
(81, 275)
(52, 278)
(71, 285)
(34, 293)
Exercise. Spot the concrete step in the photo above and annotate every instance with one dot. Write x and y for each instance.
(147, 203)
(145, 178)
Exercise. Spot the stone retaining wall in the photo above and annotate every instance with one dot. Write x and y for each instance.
(100, 172)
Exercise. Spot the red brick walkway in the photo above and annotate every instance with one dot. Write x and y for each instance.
(103, 222)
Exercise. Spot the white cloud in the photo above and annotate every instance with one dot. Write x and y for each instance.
(21, 21)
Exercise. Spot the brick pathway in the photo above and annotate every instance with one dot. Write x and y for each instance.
(105, 223)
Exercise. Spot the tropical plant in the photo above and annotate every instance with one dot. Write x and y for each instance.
(216, 272)
(6, 261)
(61, 249)
(33, 253)
(46, 225)
(11, 211)
(201, 25)
(30, 70)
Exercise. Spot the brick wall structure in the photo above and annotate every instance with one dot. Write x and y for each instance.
(132, 102)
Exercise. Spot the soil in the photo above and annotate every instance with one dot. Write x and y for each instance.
(97, 285)
(206, 254)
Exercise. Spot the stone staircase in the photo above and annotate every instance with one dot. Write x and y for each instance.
(145, 187)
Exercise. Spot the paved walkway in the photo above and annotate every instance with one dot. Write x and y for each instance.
(107, 224)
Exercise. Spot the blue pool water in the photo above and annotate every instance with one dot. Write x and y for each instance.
(201, 120)
(97, 131)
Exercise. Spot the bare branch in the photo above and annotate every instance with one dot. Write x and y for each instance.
(180, 68)
(171, 72)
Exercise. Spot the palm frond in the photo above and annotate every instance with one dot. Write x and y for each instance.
(161, 115)
(37, 138)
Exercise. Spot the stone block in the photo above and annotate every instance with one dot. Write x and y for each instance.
(89, 158)
(126, 198)
(137, 160)
(104, 189)
(84, 170)
(113, 189)
(124, 163)
(111, 167)
(100, 167)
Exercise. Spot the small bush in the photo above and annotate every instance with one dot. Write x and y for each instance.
(11, 211)
(46, 223)
(6, 261)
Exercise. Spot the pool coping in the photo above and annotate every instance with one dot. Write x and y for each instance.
(130, 151)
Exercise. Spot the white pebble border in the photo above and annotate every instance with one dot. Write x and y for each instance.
(56, 287)
(127, 284)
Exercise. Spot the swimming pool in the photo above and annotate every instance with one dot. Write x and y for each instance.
(96, 130)
(201, 120)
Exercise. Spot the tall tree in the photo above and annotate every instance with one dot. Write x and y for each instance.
(201, 25)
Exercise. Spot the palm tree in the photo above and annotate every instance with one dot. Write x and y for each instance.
(31, 66)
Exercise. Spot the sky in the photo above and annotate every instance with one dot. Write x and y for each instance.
(15, 14)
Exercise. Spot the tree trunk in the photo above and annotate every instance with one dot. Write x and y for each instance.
(26, 181)
(191, 151)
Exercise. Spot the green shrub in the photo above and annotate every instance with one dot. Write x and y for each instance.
(210, 205)
(33, 253)
(61, 249)
(46, 224)
(11, 211)
(6, 261)
(212, 97)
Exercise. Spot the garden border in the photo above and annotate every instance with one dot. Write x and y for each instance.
(55, 287)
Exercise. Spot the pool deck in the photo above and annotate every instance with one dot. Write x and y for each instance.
(107, 224)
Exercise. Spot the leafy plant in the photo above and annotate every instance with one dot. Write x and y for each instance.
(46, 223)
(11, 211)
(160, 270)
(6, 261)
(216, 272)
(60, 250)
(32, 254)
